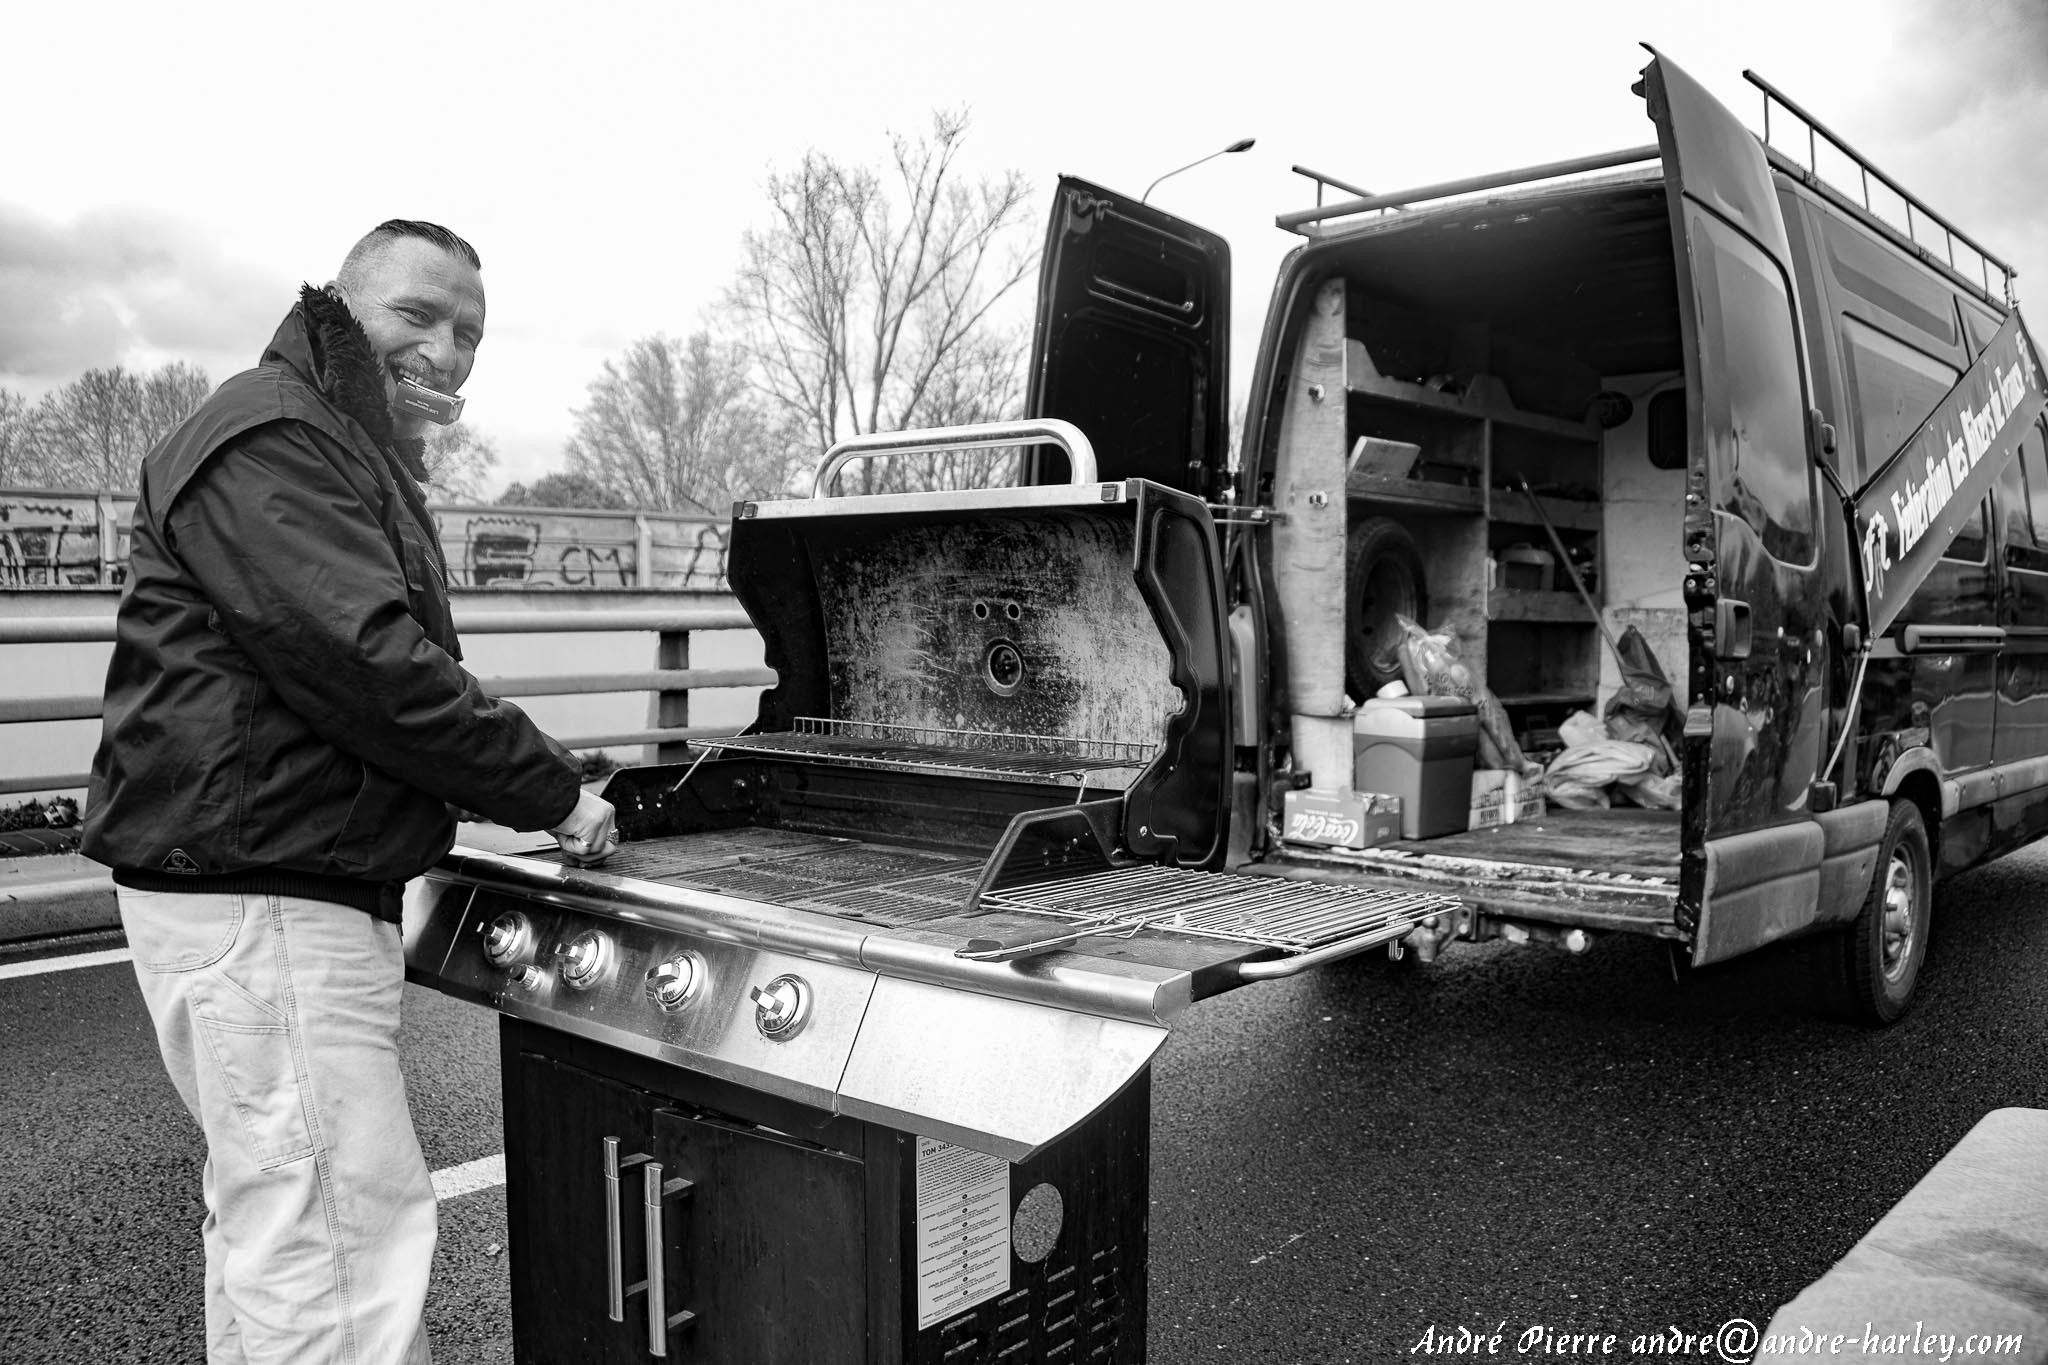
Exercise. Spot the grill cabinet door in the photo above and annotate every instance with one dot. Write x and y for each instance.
(767, 1222)
(556, 1120)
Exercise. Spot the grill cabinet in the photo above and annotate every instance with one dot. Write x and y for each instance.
(849, 1040)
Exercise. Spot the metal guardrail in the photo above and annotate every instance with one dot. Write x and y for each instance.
(669, 682)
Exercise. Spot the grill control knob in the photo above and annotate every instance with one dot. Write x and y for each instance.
(782, 1007)
(584, 958)
(507, 939)
(671, 984)
(528, 978)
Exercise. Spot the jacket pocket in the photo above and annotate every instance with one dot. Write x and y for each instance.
(392, 831)
(426, 592)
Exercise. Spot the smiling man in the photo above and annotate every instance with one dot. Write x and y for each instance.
(287, 724)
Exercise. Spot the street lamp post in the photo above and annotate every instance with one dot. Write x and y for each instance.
(1242, 144)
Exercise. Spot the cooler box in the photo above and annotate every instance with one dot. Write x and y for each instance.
(1419, 749)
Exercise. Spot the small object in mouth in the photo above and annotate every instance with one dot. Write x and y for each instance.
(437, 407)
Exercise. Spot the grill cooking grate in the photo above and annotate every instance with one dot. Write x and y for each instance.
(1268, 911)
(666, 859)
(791, 879)
(885, 885)
(915, 900)
(927, 749)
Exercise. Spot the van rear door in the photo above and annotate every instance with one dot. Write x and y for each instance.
(1132, 340)
(1756, 727)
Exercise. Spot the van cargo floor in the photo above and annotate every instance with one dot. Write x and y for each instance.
(1640, 843)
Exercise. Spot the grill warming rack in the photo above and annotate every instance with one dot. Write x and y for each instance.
(1048, 759)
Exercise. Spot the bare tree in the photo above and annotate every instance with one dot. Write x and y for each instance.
(673, 426)
(170, 394)
(15, 440)
(93, 432)
(868, 303)
(562, 490)
(90, 431)
(459, 459)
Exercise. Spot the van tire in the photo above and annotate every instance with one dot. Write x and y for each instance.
(1383, 578)
(1882, 951)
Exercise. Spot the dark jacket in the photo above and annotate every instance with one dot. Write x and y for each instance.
(285, 709)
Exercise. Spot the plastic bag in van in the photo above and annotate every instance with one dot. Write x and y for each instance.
(1581, 728)
(1578, 778)
(1431, 668)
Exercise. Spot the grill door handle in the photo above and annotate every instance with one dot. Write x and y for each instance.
(615, 1254)
(653, 1191)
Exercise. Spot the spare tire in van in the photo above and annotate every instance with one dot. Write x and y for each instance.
(1383, 579)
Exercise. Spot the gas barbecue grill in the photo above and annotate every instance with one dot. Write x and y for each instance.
(844, 1054)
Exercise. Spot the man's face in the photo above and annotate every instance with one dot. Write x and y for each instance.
(423, 310)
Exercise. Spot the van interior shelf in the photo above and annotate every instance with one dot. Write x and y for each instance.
(1582, 701)
(1567, 514)
(1528, 604)
(1363, 381)
(1425, 493)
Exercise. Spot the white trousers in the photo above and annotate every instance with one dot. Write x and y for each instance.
(278, 1021)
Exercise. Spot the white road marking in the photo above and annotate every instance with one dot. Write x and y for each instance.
(452, 1182)
(62, 964)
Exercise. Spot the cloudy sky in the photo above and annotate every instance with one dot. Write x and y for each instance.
(174, 171)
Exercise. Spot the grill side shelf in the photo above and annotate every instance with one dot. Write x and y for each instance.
(1311, 922)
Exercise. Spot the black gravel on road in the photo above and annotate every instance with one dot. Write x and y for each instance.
(1345, 1166)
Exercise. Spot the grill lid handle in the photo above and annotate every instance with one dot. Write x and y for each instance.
(975, 436)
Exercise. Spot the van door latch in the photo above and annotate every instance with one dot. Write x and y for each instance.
(1731, 628)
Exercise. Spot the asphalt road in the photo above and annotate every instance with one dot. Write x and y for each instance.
(1342, 1163)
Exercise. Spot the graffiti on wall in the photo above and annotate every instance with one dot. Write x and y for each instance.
(55, 540)
(540, 548)
(52, 540)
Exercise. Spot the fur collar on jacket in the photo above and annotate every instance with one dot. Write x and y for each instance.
(345, 370)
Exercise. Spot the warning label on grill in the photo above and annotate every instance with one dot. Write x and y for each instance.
(963, 1229)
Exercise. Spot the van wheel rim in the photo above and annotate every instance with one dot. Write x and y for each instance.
(1900, 887)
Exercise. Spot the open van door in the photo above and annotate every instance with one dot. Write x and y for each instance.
(1755, 584)
(1132, 341)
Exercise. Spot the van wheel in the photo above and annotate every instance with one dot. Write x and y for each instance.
(1882, 951)
(1382, 578)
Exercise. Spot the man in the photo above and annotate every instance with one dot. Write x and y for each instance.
(287, 726)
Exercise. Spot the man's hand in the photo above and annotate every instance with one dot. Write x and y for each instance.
(587, 837)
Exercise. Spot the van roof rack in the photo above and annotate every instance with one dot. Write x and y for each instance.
(1917, 211)
(1365, 202)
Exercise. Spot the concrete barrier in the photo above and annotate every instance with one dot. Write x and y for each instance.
(47, 894)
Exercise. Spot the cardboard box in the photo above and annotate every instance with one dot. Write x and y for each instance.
(1502, 798)
(1339, 819)
(1489, 799)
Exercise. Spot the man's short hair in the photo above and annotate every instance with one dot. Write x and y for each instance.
(376, 238)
